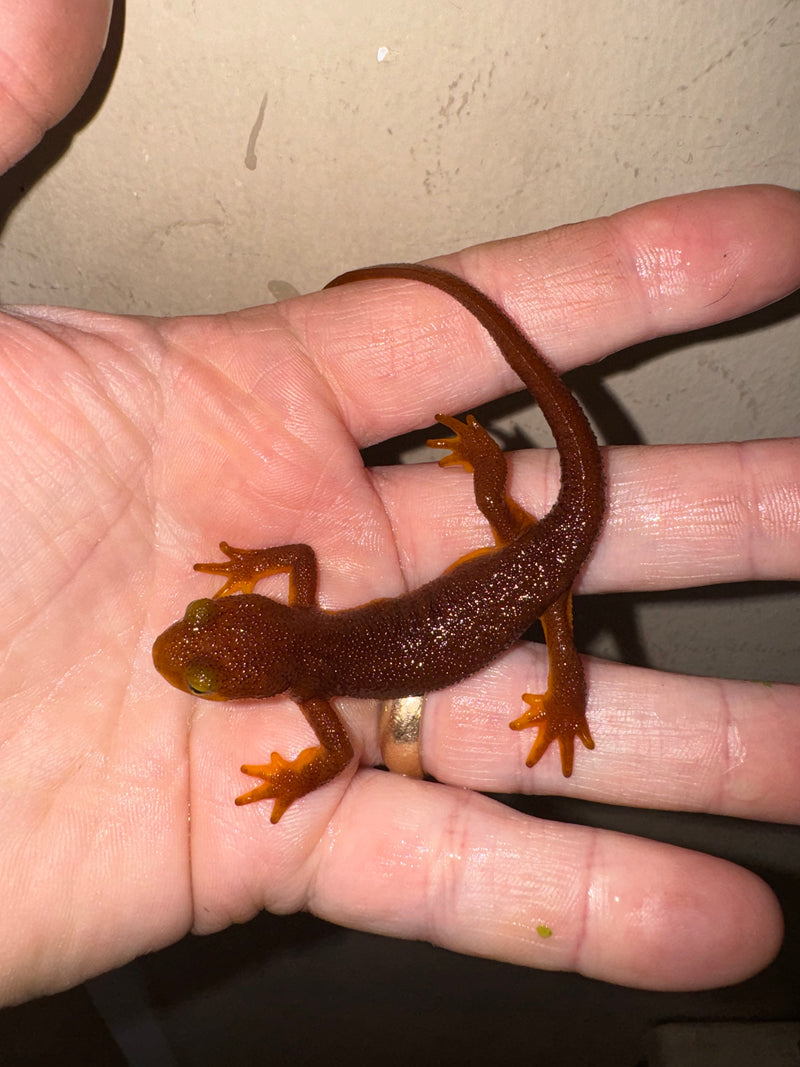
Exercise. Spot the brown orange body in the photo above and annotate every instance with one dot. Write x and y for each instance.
(244, 645)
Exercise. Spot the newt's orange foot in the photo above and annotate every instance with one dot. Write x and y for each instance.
(241, 572)
(556, 721)
(246, 567)
(469, 446)
(285, 781)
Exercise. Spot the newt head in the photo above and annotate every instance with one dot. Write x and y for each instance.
(227, 649)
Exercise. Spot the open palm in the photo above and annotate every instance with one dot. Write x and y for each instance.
(132, 447)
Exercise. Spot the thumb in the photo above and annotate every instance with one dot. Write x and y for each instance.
(48, 53)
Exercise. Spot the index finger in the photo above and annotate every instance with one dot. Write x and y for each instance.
(393, 352)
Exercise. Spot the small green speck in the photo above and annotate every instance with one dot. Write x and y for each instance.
(544, 931)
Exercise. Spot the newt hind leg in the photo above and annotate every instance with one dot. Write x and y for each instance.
(560, 712)
(285, 781)
(479, 454)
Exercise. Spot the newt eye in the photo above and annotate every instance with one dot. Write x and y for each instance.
(201, 679)
(199, 612)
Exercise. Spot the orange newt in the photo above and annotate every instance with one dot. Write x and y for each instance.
(243, 645)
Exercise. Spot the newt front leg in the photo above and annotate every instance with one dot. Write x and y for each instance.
(560, 712)
(284, 781)
(247, 566)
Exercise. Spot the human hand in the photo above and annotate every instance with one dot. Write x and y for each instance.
(132, 447)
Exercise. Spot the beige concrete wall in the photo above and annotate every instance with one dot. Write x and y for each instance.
(252, 149)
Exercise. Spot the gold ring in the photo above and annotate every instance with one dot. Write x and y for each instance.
(399, 735)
